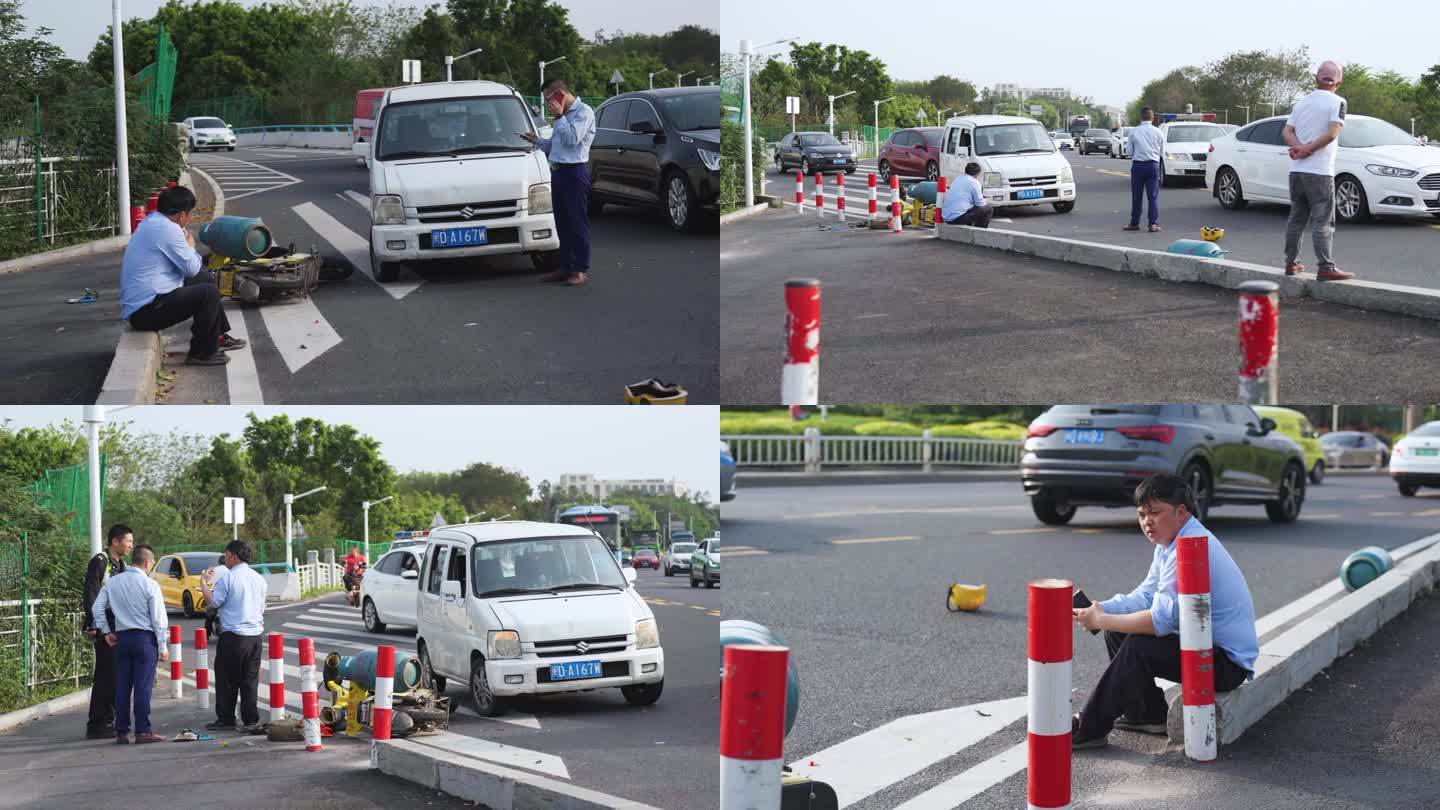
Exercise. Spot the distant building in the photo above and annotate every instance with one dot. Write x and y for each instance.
(603, 488)
(1010, 89)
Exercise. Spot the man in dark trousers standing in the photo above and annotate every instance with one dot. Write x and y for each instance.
(101, 723)
(239, 596)
(1147, 146)
(569, 151)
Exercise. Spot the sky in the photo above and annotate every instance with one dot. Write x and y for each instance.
(78, 24)
(542, 442)
(1096, 50)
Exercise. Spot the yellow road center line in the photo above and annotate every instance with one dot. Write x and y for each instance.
(1034, 530)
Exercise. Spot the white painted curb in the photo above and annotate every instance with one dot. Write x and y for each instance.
(1369, 295)
(726, 219)
(1290, 660)
(493, 786)
(18, 717)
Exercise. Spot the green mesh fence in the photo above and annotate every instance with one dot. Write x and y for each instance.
(157, 80)
(237, 111)
(66, 493)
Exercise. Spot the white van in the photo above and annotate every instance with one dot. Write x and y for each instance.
(523, 608)
(450, 177)
(1019, 162)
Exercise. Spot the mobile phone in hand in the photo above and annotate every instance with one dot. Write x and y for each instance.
(1082, 601)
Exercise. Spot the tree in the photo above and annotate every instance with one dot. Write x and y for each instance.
(1255, 77)
(1170, 93)
(28, 60)
(1384, 94)
(153, 521)
(515, 34)
(478, 487)
(822, 70)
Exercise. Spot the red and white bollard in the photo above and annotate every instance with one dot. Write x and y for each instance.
(799, 192)
(1259, 342)
(176, 674)
(752, 726)
(384, 683)
(309, 696)
(137, 215)
(895, 226)
(1197, 646)
(870, 182)
(277, 677)
(1050, 633)
(820, 195)
(202, 669)
(840, 196)
(939, 200)
(800, 376)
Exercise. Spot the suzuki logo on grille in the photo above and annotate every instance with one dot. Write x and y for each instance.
(468, 212)
(583, 647)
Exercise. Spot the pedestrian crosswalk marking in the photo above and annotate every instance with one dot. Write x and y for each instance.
(298, 331)
(354, 247)
(243, 176)
(966, 785)
(242, 380)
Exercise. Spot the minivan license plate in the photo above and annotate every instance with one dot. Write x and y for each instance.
(1426, 451)
(575, 670)
(457, 237)
(1084, 437)
(1030, 194)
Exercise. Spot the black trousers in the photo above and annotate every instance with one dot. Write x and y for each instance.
(237, 671)
(978, 216)
(1128, 685)
(102, 687)
(570, 193)
(198, 301)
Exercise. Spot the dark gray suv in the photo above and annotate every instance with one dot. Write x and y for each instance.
(1095, 455)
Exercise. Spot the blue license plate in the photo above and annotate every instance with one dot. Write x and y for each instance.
(1084, 436)
(842, 160)
(1030, 194)
(575, 670)
(458, 237)
(1426, 451)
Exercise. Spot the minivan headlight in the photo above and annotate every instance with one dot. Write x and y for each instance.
(647, 635)
(710, 158)
(992, 180)
(1067, 175)
(1390, 171)
(540, 199)
(387, 209)
(504, 644)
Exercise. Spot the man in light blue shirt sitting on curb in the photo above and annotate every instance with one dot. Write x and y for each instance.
(965, 203)
(1142, 628)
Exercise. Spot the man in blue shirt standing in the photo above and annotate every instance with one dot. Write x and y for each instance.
(965, 204)
(1147, 144)
(239, 596)
(161, 283)
(138, 636)
(1142, 628)
(569, 151)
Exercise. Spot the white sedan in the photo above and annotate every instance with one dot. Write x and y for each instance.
(1063, 140)
(389, 589)
(1187, 145)
(1379, 169)
(1120, 143)
(1415, 459)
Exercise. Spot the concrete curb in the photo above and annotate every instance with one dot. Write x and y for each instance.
(131, 379)
(726, 219)
(766, 480)
(9, 722)
(219, 196)
(1290, 660)
(491, 785)
(1368, 295)
(106, 245)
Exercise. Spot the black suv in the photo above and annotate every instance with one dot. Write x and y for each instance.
(659, 148)
(1095, 455)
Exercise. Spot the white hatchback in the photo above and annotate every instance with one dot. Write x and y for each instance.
(1379, 169)
(1019, 162)
(522, 608)
(1415, 459)
(204, 132)
(387, 591)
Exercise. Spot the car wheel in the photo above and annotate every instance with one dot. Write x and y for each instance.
(669, 572)
(371, 617)
(230, 148)
(193, 149)
(680, 202)
(1292, 496)
(487, 704)
(1351, 206)
(428, 677)
(642, 694)
(1164, 178)
(1202, 488)
(779, 165)
(805, 166)
(1317, 473)
(188, 603)
(1229, 191)
(932, 171)
(1050, 511)
(710, 583)
(693, 583)
(885, 172)
(383, 271)
(1064, 207)
(1408, 490)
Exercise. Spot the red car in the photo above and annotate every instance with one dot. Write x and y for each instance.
(912, 153)
(647, 558)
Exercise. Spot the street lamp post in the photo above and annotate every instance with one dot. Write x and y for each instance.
(543, 63)
(657, 73)
(877, 123)
(832, 109)
(450, 60)
(1412, 127)
(365, 507)
(746, 54)
(703, 78)
(681, 77)
(122, 138)
(94, 420)
(290, 525)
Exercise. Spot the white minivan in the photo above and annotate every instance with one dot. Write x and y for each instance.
(523, 608)
(451, 177)
(1019, 162)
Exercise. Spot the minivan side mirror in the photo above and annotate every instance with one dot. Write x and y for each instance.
(409, 573)
(629, 575)
(450, 587)
(1266, 424)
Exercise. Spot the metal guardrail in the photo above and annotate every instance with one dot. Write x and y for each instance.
(813, 451)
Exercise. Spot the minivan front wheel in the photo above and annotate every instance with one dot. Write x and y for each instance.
(1050, 511)
(383, 271)
(1292, 494)
(428, 676)
(643, 694)
(486, 703)
(679, 202)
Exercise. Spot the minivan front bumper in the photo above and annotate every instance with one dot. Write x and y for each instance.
(1005, 196)
(522, 233)
(525, 676)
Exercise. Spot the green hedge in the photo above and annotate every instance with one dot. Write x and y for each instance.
(732, 158)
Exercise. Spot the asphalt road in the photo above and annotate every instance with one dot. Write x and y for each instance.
(594, 739)
(52, 352)
(1390, 249)
(854, 579)
(908, 318)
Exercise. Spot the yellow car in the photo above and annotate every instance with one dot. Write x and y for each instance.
(1296, 426)
(178, 576)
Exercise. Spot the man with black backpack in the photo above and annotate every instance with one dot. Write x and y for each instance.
(101, 723)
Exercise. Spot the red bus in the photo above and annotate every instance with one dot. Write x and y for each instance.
(363, 125)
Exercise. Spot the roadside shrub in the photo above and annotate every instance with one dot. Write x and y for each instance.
(887, 429)
(732, 158)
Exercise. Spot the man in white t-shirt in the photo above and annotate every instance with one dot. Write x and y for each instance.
(1313, 134)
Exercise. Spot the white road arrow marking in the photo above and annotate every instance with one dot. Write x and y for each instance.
(298, 330)
(354, 247)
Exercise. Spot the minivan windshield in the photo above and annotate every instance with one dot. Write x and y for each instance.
(683, 548)
(544, 565)
(1012, 139)
(208, 123)
(818, 139)
(1361, 133)
(692, 111)
(1193, 134)
(452, 126)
